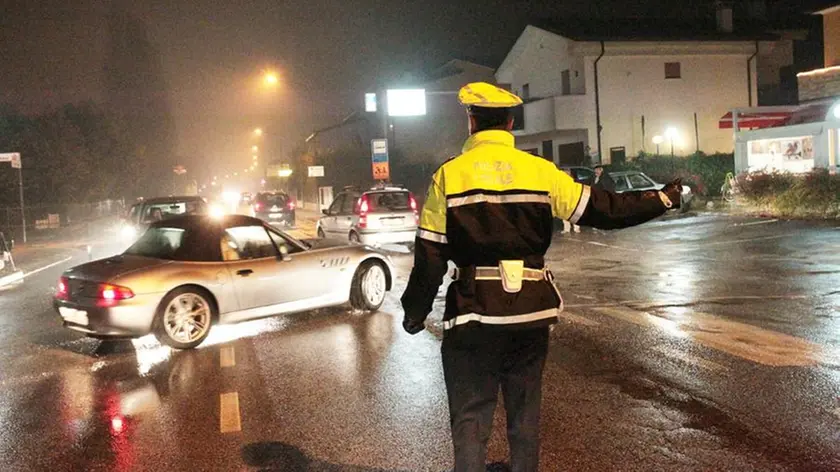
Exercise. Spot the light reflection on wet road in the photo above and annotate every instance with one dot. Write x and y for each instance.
(705, 343)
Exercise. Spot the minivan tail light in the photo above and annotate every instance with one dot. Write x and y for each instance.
(291, 205)
(412, 202)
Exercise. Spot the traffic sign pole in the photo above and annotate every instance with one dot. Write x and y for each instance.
(22, 212)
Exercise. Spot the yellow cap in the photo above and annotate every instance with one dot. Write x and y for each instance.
(482, 94)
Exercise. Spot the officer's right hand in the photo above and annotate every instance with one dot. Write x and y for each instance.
(673, 190)
(412, 326)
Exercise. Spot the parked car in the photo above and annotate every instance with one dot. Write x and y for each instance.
(381, 215)
(275, 208)
(635, 180)
(581, 174)
(147, 211)
(186, 274)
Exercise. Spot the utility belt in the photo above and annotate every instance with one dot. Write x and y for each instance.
(510, 273)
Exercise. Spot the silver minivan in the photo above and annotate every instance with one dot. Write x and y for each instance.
(381, 215)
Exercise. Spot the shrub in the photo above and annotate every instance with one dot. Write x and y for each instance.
(812, 195)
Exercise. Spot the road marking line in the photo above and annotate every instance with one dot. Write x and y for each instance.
(749, 342)
(688, 358)
(753, 223)
(47, 267)
(764, 238)
(227, 357)
(229, 421)
(596, 243)
(573, 318)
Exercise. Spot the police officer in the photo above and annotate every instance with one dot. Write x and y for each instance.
(490, 211)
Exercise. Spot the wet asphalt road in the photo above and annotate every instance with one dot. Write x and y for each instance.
(704, 343)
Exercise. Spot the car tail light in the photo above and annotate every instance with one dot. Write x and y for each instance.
(257, 206)
(291, 205)
(362, 208)
(412, 202)
(113, 293)
(62, 292)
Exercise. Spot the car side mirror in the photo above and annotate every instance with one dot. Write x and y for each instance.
(325, 212)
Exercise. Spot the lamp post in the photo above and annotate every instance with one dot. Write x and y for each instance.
(657, 140)
(671, 133)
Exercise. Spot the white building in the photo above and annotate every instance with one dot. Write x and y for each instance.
(798, 138)
(675, 86)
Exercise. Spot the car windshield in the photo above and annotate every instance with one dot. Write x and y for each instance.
(278, 199)
(158, 243)
(163, 211)
(389, 201)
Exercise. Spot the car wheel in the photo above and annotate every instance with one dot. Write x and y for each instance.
(183, 318)
(369, 286)
(354, 237)
(321, 233)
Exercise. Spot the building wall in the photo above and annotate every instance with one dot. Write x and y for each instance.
(541, 66)
(831, 38)
(635, 86)
(818, 84)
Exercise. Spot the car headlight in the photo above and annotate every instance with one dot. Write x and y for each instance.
(128, 232)
(217, 211)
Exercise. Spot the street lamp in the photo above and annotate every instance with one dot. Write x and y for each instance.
(270, 78)
(258, 132)
(255, 148)
(671, 134)
(657, 140)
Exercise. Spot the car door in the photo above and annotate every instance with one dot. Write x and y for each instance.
(345, 219)
(309, 275)
(328, 222)
(253, 263)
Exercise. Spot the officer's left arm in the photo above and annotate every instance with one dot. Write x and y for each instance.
(591, 206)
(431, 254)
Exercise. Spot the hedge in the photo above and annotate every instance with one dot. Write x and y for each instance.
(704, 173)
(815, 194)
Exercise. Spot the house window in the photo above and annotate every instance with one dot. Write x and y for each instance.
(565, 83)
(548, 150)
(526, 91)
(672, 70)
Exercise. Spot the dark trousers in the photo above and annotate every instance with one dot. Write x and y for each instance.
(476, 362)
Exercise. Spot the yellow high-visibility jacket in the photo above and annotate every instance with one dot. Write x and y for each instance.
(494, 203)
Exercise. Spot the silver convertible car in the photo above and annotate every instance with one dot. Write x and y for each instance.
(185, 274)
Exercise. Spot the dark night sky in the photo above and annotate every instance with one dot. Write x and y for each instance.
(327, 52)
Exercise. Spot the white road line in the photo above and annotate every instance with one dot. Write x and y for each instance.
(746, 341)
(764, 238)
(753, 223)
(647, 304)
(229, 421)
(596, 243)
(672, 353)
(573, 318)
(47, 267)
(227, 356)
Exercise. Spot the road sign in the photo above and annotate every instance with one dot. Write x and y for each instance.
(316, 171)
(9, 156)
(379, 158)
(16, 164)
